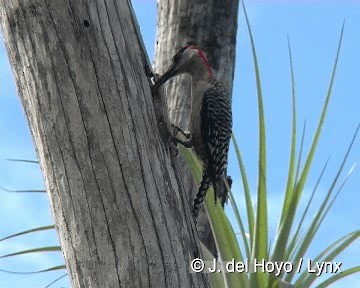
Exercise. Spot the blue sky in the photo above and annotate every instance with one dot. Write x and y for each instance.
(313, 29)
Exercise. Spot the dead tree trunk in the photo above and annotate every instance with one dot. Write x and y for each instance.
(121, 215)
(211, 25)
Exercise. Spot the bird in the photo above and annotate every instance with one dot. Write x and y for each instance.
(210, 119)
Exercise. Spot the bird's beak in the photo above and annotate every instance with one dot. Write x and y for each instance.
(171, 72)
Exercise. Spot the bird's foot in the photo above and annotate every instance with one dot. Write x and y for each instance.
(178, 129)
(174, 150)
(185, 143)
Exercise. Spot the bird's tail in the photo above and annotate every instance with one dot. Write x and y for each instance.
(200, 195)
(221, 191)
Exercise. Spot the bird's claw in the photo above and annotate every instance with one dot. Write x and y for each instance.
(175, 130)
(186, 143)
(174, 150)
(178, 129)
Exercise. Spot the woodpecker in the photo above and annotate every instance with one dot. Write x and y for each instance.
(210, 119)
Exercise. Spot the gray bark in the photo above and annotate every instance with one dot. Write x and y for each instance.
(212, 26)
(120, 212)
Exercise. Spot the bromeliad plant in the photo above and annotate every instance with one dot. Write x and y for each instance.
(291, 241)
(32, 232)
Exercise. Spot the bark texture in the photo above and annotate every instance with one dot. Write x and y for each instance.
(212, 26)
(121, 215)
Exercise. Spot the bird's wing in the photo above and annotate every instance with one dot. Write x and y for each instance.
(216, 127)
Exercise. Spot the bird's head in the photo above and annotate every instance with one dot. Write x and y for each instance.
(189, 59)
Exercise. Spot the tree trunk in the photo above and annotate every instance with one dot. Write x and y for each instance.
(212, 26)
(120, 212)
